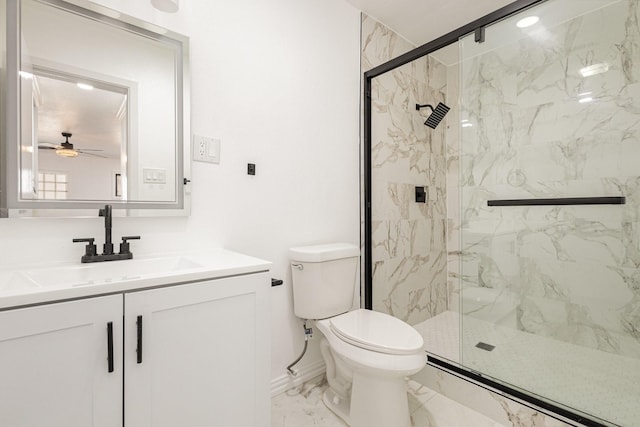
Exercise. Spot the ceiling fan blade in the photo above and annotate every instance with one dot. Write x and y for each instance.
(92, 154)
(47, 147)
(89, 149)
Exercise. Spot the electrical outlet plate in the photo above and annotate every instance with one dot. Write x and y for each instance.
(206, 149)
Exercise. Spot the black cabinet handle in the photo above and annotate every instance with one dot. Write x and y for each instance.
(139, 335)
(110, 346)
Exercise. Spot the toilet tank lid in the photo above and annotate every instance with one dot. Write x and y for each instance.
(326, 252)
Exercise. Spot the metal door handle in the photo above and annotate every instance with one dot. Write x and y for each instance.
(110, 346)
(139, 338)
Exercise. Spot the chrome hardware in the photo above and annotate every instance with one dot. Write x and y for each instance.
(298, 266)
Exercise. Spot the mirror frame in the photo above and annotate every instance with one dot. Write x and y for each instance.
(10, 204)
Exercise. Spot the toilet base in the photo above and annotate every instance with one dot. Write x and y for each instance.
(337, 405)
(375, 402)
(379, 401)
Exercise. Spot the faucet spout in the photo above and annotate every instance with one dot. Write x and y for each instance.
(106, 213)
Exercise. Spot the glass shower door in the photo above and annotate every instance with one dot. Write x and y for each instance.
(550, 205)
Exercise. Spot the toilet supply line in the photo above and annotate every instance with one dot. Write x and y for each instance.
(308, 333)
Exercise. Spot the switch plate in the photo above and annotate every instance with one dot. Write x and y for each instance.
(206, 149)
(154, 176)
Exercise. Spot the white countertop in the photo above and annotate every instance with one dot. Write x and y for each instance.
(36, 284)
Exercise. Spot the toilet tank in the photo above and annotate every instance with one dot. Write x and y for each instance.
(323, 279)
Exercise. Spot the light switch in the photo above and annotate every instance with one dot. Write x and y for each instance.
(214, 150)
(154, 176)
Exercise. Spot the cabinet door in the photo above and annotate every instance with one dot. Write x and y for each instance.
(205, 354)
(54, 365)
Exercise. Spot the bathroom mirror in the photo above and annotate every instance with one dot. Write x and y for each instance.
(97, 112)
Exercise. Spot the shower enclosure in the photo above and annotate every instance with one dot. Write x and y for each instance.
(521, 265)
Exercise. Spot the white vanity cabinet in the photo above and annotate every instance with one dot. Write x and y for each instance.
(54, 365)
(205, 354)
(194, 354)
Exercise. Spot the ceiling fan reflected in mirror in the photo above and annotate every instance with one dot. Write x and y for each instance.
(66, 149)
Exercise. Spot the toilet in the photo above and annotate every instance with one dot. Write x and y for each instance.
(367, 354)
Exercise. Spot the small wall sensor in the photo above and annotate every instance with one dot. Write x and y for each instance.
(251, 168)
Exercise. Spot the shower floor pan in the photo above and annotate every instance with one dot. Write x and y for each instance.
(591, 381)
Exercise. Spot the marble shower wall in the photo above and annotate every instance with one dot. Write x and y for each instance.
(411, 240)
(408, 238)
(573, 270)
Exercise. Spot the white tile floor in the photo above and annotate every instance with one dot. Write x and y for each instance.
(302, 407)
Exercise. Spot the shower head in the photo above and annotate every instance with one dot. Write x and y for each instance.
(437, 114)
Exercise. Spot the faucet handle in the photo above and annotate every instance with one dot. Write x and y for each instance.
(124, 246)
(90, 249)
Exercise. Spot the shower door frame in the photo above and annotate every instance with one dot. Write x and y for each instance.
(460, 371)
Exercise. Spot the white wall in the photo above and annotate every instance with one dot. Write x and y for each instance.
(278, 82)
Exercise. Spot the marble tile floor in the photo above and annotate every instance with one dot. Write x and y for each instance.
(303, 407)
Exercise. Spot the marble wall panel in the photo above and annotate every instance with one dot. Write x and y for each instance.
(411, 288)
(380, 44)
(402, 238)
(408, 238)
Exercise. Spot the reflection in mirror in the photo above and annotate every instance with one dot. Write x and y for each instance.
(84, 162)
(101, 105)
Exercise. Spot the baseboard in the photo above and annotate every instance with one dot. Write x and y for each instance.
(305, 373)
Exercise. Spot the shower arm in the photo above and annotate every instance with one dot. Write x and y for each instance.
(418, 107)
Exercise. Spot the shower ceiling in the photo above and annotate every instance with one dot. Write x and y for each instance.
(421, 21)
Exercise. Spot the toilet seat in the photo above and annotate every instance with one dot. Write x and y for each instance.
(376, 331)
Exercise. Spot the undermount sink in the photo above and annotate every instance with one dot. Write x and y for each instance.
(111, 271)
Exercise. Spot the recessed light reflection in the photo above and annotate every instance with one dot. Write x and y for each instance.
(84, 86)
(585, 100)
(466, 123)
(527, 22)
(26, 75)
(594, 69)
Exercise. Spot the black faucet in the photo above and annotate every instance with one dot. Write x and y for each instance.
(107, 248)
(90, 253)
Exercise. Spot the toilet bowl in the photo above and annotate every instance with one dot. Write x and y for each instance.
(373, 353)
(367, 354)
